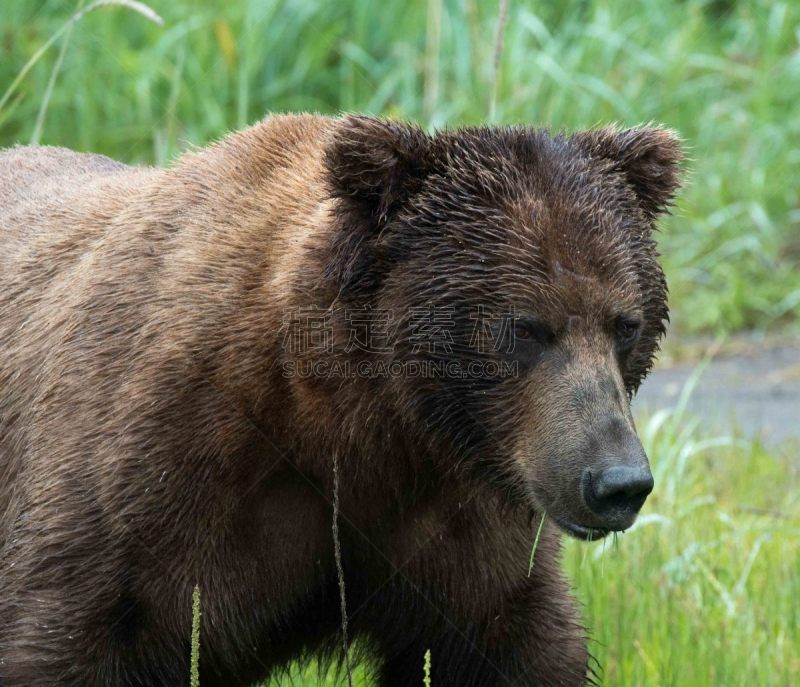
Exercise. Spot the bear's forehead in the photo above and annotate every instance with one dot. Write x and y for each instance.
(572, 236)
(560, 240)
(548, 188)
(545, 227)
(505, 157)
(584, 264)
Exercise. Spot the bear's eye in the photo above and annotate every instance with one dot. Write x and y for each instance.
(533, 331)
(627, 332)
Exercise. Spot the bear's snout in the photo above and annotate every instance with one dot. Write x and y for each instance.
(616, 494)
(615, 490)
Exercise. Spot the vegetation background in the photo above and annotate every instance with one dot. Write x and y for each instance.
(705, 589)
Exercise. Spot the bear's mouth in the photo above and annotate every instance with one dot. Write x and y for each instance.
(583, 532)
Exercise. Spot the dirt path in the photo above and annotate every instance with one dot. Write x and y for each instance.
(753, 387)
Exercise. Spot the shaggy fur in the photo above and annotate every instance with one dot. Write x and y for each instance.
(151, 439)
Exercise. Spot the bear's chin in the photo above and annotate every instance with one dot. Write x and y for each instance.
(581, 532)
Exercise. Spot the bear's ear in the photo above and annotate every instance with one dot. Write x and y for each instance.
(374, 166)
(648, 157)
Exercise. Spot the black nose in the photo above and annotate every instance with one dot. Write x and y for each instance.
(622, 483)
(617, 493)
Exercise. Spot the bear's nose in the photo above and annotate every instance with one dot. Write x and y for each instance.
(621, 483)
(617, 493)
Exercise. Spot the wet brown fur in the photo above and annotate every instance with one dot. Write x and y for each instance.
(150, 440)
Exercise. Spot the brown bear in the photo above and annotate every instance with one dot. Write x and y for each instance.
(440, 332)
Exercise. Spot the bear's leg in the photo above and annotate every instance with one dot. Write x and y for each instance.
(462, 589)
(529, 643)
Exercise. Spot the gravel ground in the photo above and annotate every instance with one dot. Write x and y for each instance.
(754, 388)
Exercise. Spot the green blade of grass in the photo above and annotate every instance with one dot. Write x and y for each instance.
(536, 542)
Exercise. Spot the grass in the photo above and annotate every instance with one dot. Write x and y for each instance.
(725, 73)
(194, 659)
(536, 542)
(705, 589)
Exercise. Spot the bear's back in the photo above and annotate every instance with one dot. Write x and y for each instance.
(111, 273)
(36, 181)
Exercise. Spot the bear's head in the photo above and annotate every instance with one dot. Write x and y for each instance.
(517, 278)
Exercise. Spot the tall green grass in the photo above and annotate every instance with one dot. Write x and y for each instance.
(705, 589)
(724, 73)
